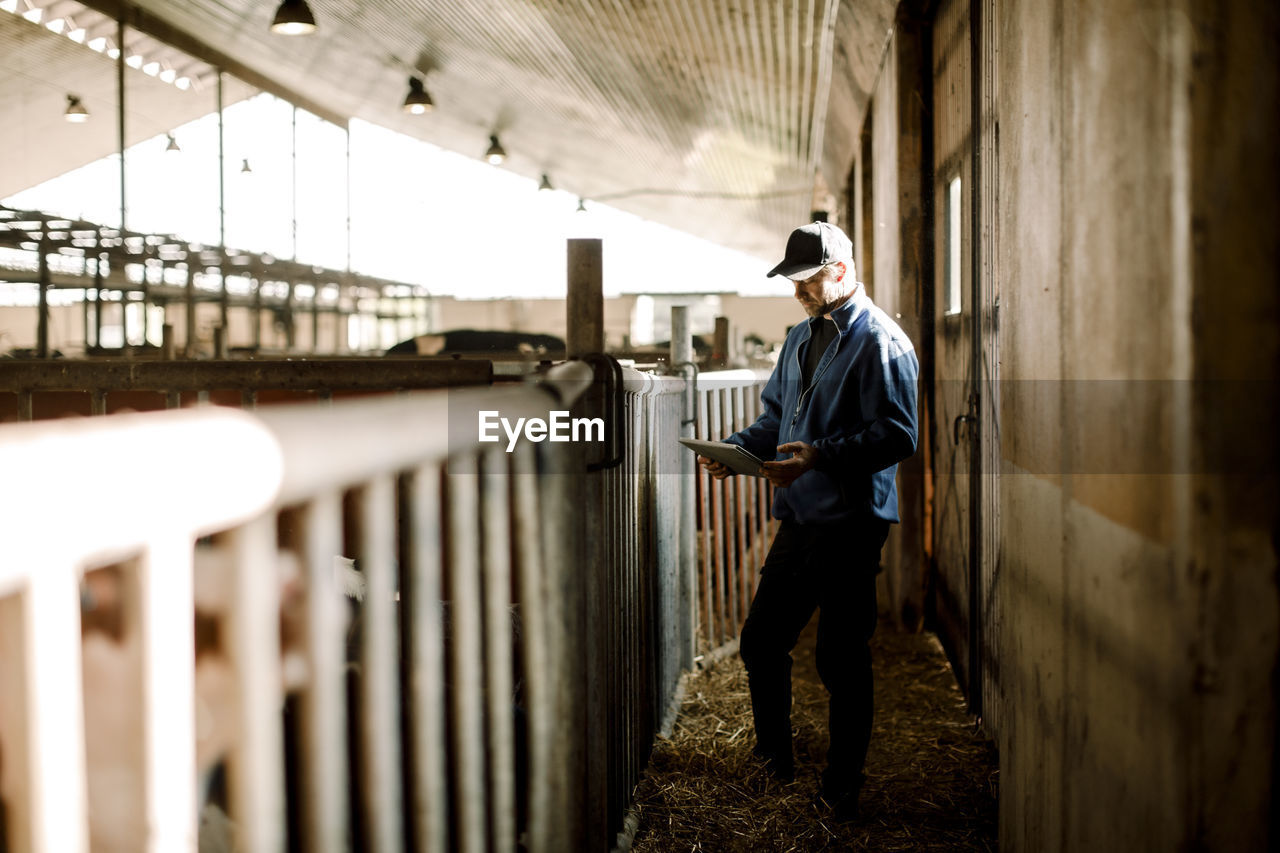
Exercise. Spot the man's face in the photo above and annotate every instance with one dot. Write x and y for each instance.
(821, 292)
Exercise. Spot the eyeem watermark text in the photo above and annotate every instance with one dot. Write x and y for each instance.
(558, 427)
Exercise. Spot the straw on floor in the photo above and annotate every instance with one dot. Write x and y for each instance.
(931, 778)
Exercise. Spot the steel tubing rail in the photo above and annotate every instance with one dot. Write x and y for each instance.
(734, 522)
(126, 509)
(369, 478)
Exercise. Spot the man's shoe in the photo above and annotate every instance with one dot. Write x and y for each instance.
(842, 799)
(780, 768)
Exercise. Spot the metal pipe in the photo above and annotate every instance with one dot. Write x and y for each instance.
(42, 315)
(120, 113)
(422, 588)
(682, 354)
(495, 520)
(256, 775)
(380, 789)
(189, 338)
(323, 755)
(222, 208)
(463, 548)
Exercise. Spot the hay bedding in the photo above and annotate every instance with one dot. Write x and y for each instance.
(931, 779)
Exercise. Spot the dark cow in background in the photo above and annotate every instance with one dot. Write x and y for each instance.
(474, 341)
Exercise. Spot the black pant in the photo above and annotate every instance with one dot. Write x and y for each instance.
(831, 567)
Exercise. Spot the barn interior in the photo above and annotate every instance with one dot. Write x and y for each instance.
(1069, 208)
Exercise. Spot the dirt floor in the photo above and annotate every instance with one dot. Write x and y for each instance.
(931, 779)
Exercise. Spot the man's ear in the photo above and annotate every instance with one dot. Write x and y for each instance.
(844, 270)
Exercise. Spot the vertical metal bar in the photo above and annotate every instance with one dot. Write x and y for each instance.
(315, 317)
(55, 744)
(224, 296)
(256, 783)
(42, 311)
(97, 402)
(585, 298)
(426, 664)
(465, 625)
(84, 306)
(741, 517)
(293, 179)
(347, 179)
(687, 611)
(257, 314)
(289, 329)
(120, 113)
(189, 306)
(565, 599)
(718, 520)
(544, 760)
(380, 791)
(166, 342)
(97, 301)
(25, 408)
(13, 706)
(705, 486)
(323, 755)
(146, 293)
(495, 515)
(168, 693)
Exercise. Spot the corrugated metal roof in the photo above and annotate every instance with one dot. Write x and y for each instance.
(718, 107)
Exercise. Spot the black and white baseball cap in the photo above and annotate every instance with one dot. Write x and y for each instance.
(810, 248)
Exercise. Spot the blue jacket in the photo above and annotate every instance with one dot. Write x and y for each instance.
(860, 415)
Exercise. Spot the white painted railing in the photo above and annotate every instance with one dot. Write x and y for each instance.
(170, 604)
(185, 502)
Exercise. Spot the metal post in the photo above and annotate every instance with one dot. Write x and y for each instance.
(189, 346)
(84, 303)
(257, 314)
(42, 320)
(97, 302)
(585, 300)
(288, 317)
(682, 360)
(222, 206)
(720, 349)
(120, 58)
(166, 342)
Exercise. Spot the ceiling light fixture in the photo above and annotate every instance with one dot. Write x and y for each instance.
(244, 167)
(496, 153)
(582, 205)
(75, 110)
(173, 143)
(294, 18)
(417, 101)
(545, 184)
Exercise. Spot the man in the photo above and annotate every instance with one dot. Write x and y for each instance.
(839, 413)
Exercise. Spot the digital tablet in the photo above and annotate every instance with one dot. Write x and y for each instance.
(737, 459)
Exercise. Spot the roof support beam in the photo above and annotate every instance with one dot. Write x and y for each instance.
(145, 22)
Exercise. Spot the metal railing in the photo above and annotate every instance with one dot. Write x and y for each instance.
(522, 625)
(734, 524)
(259, 492)
(43, 389)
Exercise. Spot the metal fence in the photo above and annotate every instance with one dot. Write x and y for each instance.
(41, 389)
(487, 672)
(734, 524)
